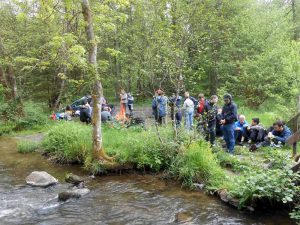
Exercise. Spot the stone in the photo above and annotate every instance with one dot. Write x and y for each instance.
(73, 179)
(76, 193)
(183, 217)
(40, 179)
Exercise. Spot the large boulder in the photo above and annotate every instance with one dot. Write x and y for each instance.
(76, 193)
(40, 179)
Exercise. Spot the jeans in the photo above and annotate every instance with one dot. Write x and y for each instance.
(188, 119)
(228, 132)
(238, 135)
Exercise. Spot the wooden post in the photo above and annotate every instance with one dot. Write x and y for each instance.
(294, 149)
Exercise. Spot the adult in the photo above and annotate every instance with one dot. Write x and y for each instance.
(85, 112)
(123, 104)
(239, 128)
(254, 133)
(106, 115)
(210, 115)
(159, 107)
(174, 103)
(188, 109)
(130, 103)
(201, 104)
(275, 138)
(229, 116)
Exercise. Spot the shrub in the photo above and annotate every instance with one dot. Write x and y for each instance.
(276, 185)
(26, 146)
(70, 142)
(197, 164)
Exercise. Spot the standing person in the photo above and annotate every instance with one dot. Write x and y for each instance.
(201, 104)
(188, 109)
(159, 107)
(229, 116)
(130, 103)
(165, 102)
(123, 104)
(174, 103)
(124, 99)
(210, 115)
(219, 132)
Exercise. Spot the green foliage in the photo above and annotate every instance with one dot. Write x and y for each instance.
(276, 185)
(34, 118)
(197, 164)
(139, 147)
(69, 142)
(27, 146)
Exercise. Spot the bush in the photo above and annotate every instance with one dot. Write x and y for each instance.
(69, 142)
(140, 148)
(26, 146)
(276, 185)
(197, 164)
(35, 116)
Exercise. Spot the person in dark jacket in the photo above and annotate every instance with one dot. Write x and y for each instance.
(254, 133)
(229, 116)
(210, 113)
(159, 107)
(85, 112)
(276, 138)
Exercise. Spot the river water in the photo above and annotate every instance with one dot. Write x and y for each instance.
(118, 199)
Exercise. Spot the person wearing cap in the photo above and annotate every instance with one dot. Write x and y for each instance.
(229, 117)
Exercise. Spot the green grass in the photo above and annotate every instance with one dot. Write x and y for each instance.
(26, 146)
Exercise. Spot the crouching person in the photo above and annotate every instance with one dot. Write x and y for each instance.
(239, 129)
(254, 133)
(275, 138)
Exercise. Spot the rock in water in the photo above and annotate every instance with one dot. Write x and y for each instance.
(77, 193)
(40, 179)
(73, 179)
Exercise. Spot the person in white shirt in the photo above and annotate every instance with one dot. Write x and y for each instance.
(188, 110)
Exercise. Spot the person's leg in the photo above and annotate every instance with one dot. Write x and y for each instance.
(237, 135)
(186, 120)
(231, 141)
(212, 132)
(226, 135)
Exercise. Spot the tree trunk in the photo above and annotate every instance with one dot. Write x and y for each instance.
(97, 88)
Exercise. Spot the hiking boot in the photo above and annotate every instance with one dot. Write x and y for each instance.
(253, 148)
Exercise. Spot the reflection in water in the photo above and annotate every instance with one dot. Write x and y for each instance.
(130, 199)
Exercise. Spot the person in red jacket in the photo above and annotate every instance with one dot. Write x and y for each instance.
(201, 104)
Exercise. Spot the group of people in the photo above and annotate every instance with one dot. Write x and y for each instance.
(216, 121)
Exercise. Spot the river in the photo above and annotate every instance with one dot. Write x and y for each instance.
(117, 199)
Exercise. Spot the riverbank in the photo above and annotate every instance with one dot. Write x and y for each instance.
(124, 199)
(247, 180)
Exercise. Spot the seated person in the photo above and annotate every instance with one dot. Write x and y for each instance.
(276, 137)
(239, 128)
(106, 115)
(255, 132)
(68, 113)
(85, 112)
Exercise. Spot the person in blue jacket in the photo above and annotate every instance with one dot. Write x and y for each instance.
(229, 117)
(159, 104)
(276, 138)
(239, 128)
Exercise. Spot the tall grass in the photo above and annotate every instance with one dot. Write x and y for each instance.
(69, 142)
(27, 146)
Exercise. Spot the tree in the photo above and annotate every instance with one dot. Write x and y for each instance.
(97, 87)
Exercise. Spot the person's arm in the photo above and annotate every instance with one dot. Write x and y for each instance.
(285, 136)
(233, 115)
